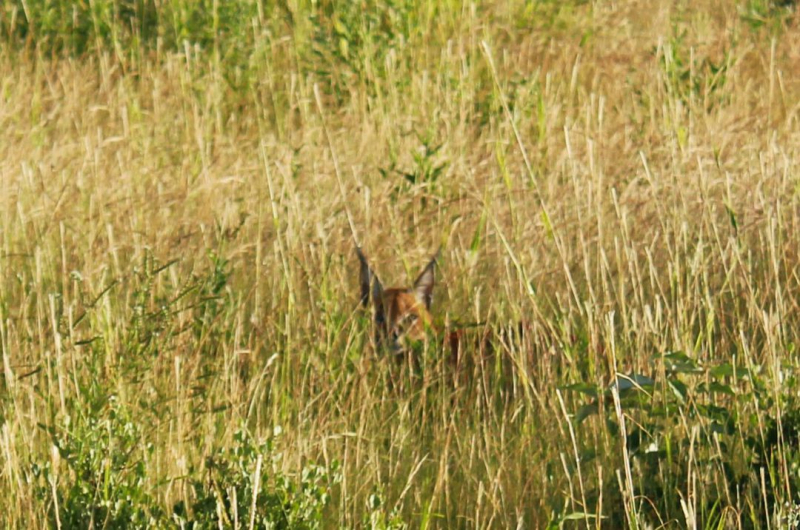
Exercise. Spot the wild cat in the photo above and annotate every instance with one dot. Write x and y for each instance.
(402, 318)
(401, 315)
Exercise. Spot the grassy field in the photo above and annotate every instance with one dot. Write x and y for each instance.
(182, 184)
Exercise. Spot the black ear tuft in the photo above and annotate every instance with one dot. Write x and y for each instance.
(371, 286)
(423, 287)
(377, 301)
(364, 277)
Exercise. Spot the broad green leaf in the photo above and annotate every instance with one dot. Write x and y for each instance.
(720, 388)
(728, 370)
(678, 389)
(627, 382)
(586, 411)
(583, 388)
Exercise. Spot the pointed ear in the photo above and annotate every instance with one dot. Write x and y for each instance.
(365, 276)
(370, 284)
(377, 300)
(423, 287)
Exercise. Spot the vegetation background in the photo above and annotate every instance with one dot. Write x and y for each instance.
(181, 340)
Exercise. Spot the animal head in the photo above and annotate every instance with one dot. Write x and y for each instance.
(401, 315)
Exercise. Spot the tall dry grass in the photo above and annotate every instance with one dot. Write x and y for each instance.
(176, 264)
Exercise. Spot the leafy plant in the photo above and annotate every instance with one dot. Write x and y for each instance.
(97, 477)
(376, 517)
(244, 483)
(352, 37)
(424, 174)
(769, 14)
(688, 77)
(706, 397)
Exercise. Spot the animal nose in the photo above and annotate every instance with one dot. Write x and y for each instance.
(396, 346)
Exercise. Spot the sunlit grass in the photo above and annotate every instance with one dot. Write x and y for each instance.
(179, 318)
